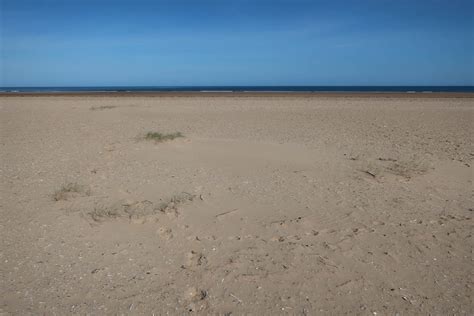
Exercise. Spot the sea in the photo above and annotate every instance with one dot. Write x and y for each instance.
(215, 89)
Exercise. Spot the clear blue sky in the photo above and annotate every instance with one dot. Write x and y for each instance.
(236, 42)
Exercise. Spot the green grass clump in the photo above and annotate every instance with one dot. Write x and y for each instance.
(159, 137)
(102, 107)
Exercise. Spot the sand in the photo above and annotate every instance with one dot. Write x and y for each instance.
(268, 205)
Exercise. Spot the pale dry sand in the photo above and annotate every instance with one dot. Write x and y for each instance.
(268, 205)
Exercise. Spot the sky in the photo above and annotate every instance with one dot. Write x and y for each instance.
(236, 42)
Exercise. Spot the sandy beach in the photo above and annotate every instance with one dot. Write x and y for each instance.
(297, 205)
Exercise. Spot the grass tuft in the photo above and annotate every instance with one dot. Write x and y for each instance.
(140, 209)
(102, 107)
(70, 189)
(159, 137)
(101, 212)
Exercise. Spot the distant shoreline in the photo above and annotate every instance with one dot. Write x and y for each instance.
(407, 94)
(237, 89)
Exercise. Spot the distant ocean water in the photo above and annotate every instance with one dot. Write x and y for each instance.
(204, 89)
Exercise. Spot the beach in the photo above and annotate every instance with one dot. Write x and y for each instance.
(264, 204)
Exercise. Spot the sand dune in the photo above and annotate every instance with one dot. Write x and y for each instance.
(267, 205)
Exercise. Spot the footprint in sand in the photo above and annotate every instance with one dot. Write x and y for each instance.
(165, 233)
(194, 259)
